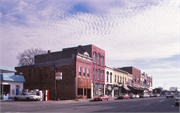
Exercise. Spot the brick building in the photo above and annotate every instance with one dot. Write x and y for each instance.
(81, 77)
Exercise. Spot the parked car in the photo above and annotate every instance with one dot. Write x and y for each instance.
(137, 96)
(124, 96)
(27, 96)
(132, 96)
(169, 95)
(177, 99)
(144, 96)
(102, 97)
(151, 95)
(156, 95)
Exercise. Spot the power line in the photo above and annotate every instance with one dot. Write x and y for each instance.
(21, 8)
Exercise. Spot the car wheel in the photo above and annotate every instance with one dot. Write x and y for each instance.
(15, 98)
(28, 99)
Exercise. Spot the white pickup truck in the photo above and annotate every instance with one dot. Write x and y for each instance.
(27, 96)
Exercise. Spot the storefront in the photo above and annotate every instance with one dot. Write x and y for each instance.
(98, 89)
(117, 90)
(108, 89)
(11, 85)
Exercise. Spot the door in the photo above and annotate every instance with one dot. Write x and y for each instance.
(17, 91)
(88, 93)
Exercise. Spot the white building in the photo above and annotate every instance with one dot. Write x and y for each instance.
(11, 84)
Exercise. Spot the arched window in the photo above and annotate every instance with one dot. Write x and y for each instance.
(98, 59)
(102, 60)
(102, 75)
(110, 77)
(94, 74)
(95, 57)
(107, 76)
(115, 79)
(98, 74)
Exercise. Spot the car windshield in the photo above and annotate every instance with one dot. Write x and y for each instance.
(30, 94)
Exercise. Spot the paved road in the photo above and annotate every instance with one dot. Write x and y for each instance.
(156, 104)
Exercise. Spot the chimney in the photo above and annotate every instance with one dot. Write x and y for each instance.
(49, 51)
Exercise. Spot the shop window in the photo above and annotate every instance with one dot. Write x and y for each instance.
(6, 89)
(80, 91)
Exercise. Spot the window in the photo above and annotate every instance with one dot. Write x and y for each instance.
(94, 74)
(102, 75)
(118, 79)
(95, 57)
(80, 91)
(115, 79)
(110, 77)
(134, 78)
(138, 80)
(107, 76)
(88, 72)
(84, 71)
(102, 62)
(98, 59)
(79, 70)
(98, 74)
(123, 80)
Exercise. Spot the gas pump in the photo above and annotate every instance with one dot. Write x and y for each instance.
(45, 95)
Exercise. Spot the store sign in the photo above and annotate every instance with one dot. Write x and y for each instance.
(58, 76)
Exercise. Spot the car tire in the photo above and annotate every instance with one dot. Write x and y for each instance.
(28, 99)
(15, 98)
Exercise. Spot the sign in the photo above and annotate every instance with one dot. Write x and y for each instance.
(58, 76)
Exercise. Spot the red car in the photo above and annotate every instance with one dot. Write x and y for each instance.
(102, 97)
(124, 96)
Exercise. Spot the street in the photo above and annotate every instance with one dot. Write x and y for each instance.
(155, 104)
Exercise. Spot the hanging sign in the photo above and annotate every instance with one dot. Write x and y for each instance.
(58, 76)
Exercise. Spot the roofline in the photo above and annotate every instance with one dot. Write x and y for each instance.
(116, 69)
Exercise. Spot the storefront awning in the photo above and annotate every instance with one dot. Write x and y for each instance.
(125, 87)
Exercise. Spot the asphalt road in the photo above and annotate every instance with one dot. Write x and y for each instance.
(156, 104)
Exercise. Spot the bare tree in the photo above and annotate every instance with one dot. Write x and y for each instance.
(27, 57)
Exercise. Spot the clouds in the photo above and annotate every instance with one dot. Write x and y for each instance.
(139, 33)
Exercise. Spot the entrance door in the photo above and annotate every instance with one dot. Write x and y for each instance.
(88, 93)
(17, 91)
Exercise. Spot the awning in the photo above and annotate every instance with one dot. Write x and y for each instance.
(115, 85)
(125, 87)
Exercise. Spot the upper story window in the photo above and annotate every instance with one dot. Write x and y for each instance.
(95, 57)
(120, 79)
(94, 74)
(102, 62)
(123, 80)
(98, 74)
(107, 76)
(110, 77)
(98, 59)
(88, 72)
(79, 70)
(84, 71)
(138, 80)
(134, 78)
(102, 75)
(115, 79)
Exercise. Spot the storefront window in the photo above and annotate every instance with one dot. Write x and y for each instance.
(80, 91)
(84, 91)
(6, 89)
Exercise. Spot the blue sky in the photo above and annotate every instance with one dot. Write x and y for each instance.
(139, 33)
